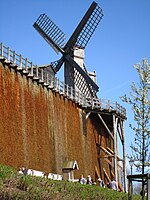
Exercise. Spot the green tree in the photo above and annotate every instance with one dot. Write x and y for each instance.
(139, 99)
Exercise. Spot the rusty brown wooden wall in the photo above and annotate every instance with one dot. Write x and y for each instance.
(41, 129)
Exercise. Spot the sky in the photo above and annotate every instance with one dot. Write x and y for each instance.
(121, 40)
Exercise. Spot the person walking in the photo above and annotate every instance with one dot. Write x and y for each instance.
(101, 183)
(114, 185)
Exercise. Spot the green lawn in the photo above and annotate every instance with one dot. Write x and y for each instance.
(14, 186)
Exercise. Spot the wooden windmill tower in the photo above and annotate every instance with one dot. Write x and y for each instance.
(75, 73)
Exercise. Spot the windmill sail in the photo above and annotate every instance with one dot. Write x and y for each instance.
(89, 27)
(86, 27)
(50, 32)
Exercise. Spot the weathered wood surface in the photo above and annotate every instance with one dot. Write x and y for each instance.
(43, 122)
(41, 129)
(42, 76)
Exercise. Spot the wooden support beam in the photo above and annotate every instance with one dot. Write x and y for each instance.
(112, 173)
(105, 156)
(106, 175)
(97, 172)
(115, 121)
(106, 151)
(111, 156)
(109, 153)
(88, 114)
(120, 187)
(119, 132)
(110, 150)
(124, 158)
(108, 161)
(130, 190)
(122, 129)
(106, 126)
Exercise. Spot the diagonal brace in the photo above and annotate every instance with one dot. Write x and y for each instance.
(106, 126)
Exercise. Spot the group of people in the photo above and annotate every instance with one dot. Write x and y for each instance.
(88, 181)
(112, 184)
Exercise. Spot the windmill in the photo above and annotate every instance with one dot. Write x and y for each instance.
(76, 75)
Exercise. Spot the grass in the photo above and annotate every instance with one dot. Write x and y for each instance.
(14, 186)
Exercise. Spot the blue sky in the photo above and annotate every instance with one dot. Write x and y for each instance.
(121, 40)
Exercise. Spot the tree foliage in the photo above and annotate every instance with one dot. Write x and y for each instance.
(139, 99)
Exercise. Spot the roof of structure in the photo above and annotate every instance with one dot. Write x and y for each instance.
(70, 165)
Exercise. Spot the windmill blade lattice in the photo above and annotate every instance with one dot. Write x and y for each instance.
(83, 86)
(54, 64)
(89, 27)
(50, 32)
(75, 75)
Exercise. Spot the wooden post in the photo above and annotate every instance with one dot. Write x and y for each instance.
(78, 96)
(31, 72)
(52, 81)
(1, 50)
(106, 126)
(26, 64)
(115, 120)
(20, 65)
(67, 88)
(64, 88)
(58, 85)
(47, 81)
(124, 157)
(71, 95)
(148, 187)
(37, 71)
(8, 54)
(42, 75)
(14, 57)
(130, 189)
(108, 105)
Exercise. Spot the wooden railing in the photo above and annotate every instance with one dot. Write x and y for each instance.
(51, 82)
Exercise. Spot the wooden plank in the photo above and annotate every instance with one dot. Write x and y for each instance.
(105, 150)
(112, 173)
(106, 175)
(120, 132)
(120, 187)
(105, 156)
(106, 126)
(97, 172)
(109, 153)
(110, 150)
(108, 161)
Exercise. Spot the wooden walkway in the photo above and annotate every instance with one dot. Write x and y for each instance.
(42, 75)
